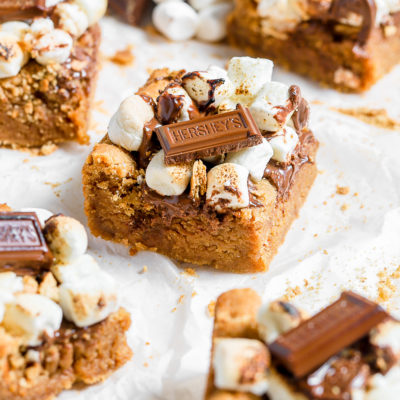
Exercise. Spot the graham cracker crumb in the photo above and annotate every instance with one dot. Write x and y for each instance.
(180, 300)
(211, 309)
(190, 272)
(123, 57)
(344, 207)
(144, 269)
(342, 190)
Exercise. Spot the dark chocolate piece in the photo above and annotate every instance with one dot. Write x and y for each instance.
(12, 10)
(129, 10)
(22, 243)
(209, 136)
(313, 342)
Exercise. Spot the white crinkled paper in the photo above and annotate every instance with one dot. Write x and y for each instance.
(339, 242)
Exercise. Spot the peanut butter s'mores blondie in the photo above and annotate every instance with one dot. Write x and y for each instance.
(345, 44)
(208, 167)
(48, 70)
(348, 351)
(60, 322)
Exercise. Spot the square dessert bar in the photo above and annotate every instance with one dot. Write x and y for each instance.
(130, 11)
(60, 322)
(48, 70)
(348, 351)
(347, 45)
(235, 167)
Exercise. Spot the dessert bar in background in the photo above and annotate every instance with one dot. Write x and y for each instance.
(60, 321)
(207, 167)
(347, 45)
(348, 351)
(130, 11)
(48, 70)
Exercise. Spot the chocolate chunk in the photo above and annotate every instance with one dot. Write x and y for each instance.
(11, 10)
(129, 10)
(313, 342)
(22, 244)
(208, 136)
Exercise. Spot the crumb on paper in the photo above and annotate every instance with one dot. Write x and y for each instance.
(194, 293)
(147, 343)
(325, 252)
(190, 272)
(173, 310)
(342, 190)
(344, 207)
(291, 293)
(99, 107)
(144, 269)
(146, 364)
(181, 297)
(211, 309)
(124, 57)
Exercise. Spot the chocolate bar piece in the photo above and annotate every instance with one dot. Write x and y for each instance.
(129, 10)
(11, 10)
(22, 244)
(208, 136)
(312, 343)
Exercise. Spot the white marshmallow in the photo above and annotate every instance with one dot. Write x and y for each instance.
(227, 105)
(176, 20)
(41, 26)
(255, 158)
(276, 318)
(12, 57)
(202, 4)
(200, 86)
(10, 283)
(42, 214)
(17, 28)
(126, 125)
(387, 334)
(72, 18)
(384, 386)
(87, 301)
(236, 360)
(31, 316)
(53, 47)
(270, 108)
(51, 3)
(66, 238)
(167, 180)
(184, 98)
(212, 22)
(94, 10)
(384, 8)
(283, 143)
(249, 75)
(227, 187)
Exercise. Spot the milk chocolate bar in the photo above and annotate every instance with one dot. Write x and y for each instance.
(22, 244)
(11, 10)
(129, 10)
(208, 136)
(312, 343)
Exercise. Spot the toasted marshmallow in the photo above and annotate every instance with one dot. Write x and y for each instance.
(249, 75)
(41, 26)
(167, 180)
(276, 318)
(94, 10)
(212, 22)
(272, 108)
(209, 87)
(227, 187)
(255, 158)
(387, 335)
(17, 28)
(12, 57)
(87, 301)
(127, 124)
(241, 365)
(52, 48)
(42, 214)
(227, 105)
(32, 315)
(80, 268)
(72, 18)
(66, 238)
(283, 143)
(176, 20)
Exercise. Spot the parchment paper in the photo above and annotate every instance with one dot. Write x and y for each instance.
(349, 241)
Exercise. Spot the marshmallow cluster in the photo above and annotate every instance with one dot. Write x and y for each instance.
(204, 19)
(44, 42)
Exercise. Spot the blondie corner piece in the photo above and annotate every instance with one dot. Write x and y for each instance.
(217, 189)
(347, 45)
(60, 322)
(48, 71)
(276, 351)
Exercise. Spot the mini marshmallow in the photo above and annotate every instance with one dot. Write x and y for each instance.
(167, 180)
(272, 108)
(87, 301)
(66, 238)
(249, 75)
(227, 187)
(42, 214)
(12, 57)
(276, 318)
(205, 86)
(41, 26)
(126, 125)
(52, 48)
(255, 158)
(176, 20)
(384, 386)
(387, 335)
(10, 283)
(72, 18)
(202, 4)
(212, 22)
(94, 10)
(17, 28)
(241, 365)
(31, 316)
(283, 143)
